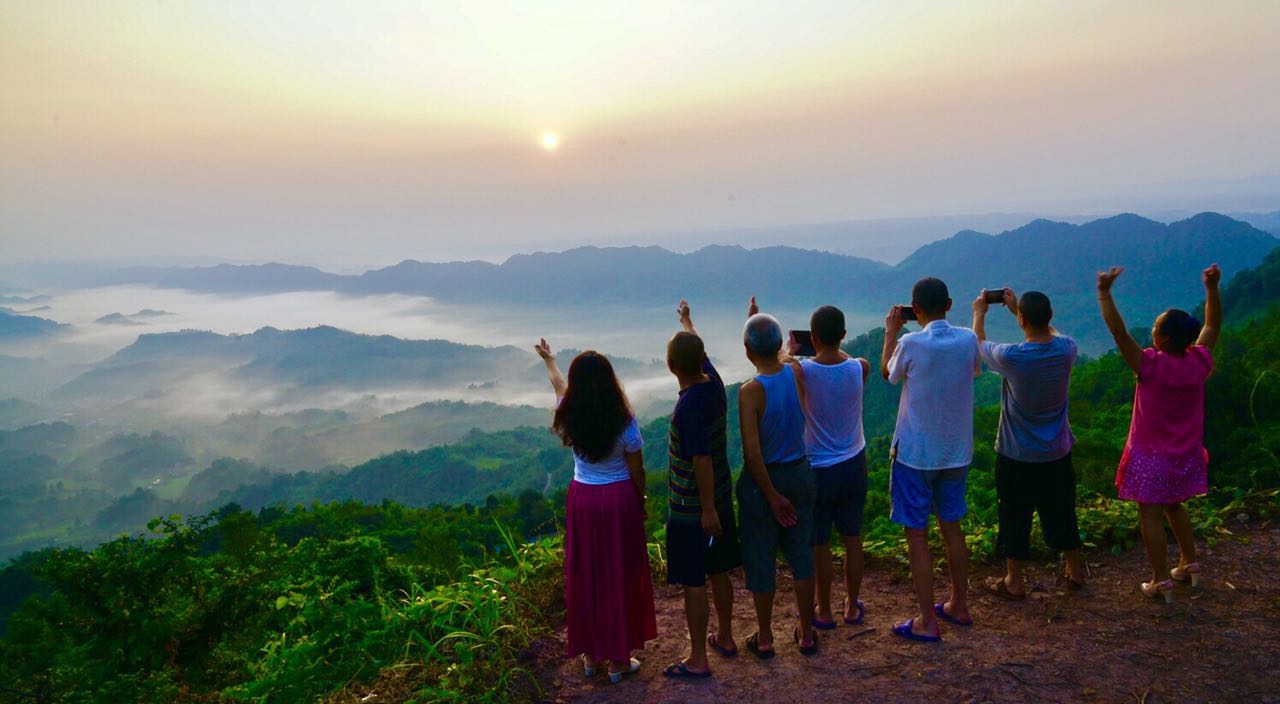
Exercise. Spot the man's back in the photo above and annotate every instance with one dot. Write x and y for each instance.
(935, 411)
(1034, 426)
(833, 411)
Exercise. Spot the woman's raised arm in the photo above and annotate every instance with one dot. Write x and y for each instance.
(1125, 344)
(558, 384)
(1212, 308)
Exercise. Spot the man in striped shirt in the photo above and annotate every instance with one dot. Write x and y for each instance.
(702, 536)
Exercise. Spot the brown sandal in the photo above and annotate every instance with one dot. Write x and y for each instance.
(997, 586)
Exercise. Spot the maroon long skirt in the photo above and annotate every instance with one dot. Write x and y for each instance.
(607, 589)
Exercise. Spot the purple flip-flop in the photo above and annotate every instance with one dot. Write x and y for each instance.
(862, 611)
(904, 631)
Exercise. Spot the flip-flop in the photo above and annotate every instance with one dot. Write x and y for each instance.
(724, 652)
(903, 630)
(678, 670)
(942, 614)
(811, 649)
(862, 611)
(997, 587)
(753, 644)
(823, 625)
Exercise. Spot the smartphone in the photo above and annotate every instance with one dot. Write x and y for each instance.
(993, 295)
(800, 343)
(906, 312)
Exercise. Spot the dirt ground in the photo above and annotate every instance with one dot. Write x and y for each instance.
(1105, 644)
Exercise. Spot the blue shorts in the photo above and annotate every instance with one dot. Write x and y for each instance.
(842, 495)
(915, 493)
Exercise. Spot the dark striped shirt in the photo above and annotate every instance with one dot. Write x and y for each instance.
(698, 430)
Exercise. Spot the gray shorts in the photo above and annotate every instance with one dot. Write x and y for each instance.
(761, 533)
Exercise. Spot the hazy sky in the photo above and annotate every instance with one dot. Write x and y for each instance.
(349, 133)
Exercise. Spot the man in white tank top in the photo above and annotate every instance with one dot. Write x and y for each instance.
(832, 386)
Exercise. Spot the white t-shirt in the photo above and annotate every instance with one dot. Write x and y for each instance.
(935, 411)
(832, 411)
(612, 468)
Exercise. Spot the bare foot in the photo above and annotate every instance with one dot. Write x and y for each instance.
(921, 627)
(957, 614)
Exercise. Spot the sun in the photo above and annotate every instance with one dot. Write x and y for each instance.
(550, 140)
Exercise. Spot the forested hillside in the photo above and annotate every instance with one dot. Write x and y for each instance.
(288, 604)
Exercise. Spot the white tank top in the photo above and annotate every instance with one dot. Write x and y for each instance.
(832, 411)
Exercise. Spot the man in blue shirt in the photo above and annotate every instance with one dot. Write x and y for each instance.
(1033, 445)
(702, 535)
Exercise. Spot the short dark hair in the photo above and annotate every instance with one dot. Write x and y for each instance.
(685, 353)
(1035, 309)
(1179, 327)
(827, 325)
(930, 295)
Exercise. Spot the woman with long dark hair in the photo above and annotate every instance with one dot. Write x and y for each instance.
(608, 591)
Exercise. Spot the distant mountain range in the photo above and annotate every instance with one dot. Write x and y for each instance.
(288, 361)
(22, 327)
(1163, 261)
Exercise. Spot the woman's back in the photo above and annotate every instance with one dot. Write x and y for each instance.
(1168, 405)
(612, 467)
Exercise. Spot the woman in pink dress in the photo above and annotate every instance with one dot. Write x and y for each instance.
(1164, 461)
(608, 592)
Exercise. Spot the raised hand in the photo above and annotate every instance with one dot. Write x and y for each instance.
(1010, 300)
(1212, 276)
(544, 350)
(752, 308)
(683, 310)
(1108, 277)
(893, 322)
(980, 305)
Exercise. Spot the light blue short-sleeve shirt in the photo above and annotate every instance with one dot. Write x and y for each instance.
(1033, 399)
(935, 412)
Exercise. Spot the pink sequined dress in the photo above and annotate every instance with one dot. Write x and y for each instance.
(1164, 460)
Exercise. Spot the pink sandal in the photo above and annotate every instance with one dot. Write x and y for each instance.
(1190, 572)
(1155, 590)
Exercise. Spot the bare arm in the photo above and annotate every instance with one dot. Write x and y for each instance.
(686, 319)
(1125, 344)
(980, 307)
(892, 324)
(866, 369)
(704, 475)
(750, 411)
(558, 384)
(1212, 308)
(635, 468)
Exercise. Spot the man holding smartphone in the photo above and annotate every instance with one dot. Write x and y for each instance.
(702, 535)
(932, 447)
(1034, 473)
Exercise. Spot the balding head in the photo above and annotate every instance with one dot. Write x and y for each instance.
(762, 335)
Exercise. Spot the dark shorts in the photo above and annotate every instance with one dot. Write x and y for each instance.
(692, 555)
(762, 535)
(1047, 488)
(916, 493)
(841, 497)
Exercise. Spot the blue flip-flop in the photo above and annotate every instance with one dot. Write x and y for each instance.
(942, 614)
(823, 625)
(678, 670)
(904, 631)
(862, 611)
